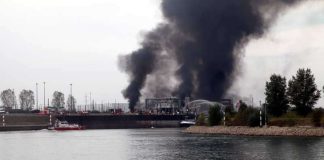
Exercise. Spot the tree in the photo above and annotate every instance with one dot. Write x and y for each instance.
(302, 91)
(71, 103)
(58, 100)
(215, 115)
(8, 99)
(201, 119)
(26, 99)
(242, 106)
(276, 97)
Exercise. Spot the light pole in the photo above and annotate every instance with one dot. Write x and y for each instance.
(85, 106)
(90, 103)
(265, 113)
(71, 98)
(13, 99)
(44, 96)
(36, 95)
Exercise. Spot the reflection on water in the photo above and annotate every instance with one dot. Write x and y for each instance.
(152, 144)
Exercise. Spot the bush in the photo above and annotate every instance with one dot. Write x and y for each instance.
(247, 117)
(201, 119)
(254, 119)
(215, 115)
(229, 110)
(316, 117)
(289, 119)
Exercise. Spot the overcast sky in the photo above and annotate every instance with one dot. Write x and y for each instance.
(78, 41)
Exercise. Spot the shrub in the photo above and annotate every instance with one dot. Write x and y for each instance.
(289, 119)
(229, 110)
(317, 116)
(201, 119)
(215, 115)
(247, 117)
(254, 119)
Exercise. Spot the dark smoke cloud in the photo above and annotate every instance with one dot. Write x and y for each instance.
(205, 38)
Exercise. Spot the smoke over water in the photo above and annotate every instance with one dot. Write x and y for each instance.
(204, 39)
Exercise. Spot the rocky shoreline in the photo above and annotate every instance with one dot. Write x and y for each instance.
(257, 131)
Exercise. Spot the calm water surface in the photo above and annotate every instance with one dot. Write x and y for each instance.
(152, 144)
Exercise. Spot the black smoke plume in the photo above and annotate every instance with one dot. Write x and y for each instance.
(205, 38)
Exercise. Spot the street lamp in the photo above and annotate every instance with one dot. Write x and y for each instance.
(44, 96)
(36, 95)
(71, 107)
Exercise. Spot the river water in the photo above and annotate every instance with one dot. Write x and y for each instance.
(150, 144)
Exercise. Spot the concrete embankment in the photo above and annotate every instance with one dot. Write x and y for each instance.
(256, 131)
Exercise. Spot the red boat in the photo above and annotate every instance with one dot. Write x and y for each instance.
(65, 126)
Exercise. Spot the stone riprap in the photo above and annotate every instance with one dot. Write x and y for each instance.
(257, 131)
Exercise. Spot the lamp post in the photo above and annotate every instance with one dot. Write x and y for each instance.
(265, 113)
(36, 95)
(44, 96)
(85, 106)
(71, 98)
(90, 107)
(13, 99)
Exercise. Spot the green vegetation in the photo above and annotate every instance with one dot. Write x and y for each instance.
(302, 91)
(276, 99)
(286, 106)
(302, 94)
(289, 119)
(201, 120)
(317, 117)
(246, 117)
(215, 115)
(254, 118)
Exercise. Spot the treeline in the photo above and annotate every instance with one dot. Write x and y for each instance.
(27, 100)
(300, 95)
(287, 104)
